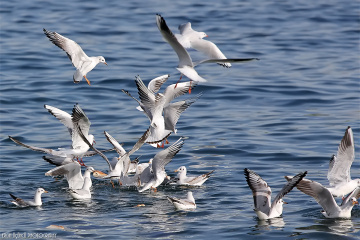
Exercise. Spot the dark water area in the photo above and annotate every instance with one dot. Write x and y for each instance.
(278, 116)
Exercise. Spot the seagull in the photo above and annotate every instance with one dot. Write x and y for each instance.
(161, 159)
(262, 194)
(84, 192)
(186, 65)
(191, 181)
(339, 167)
(78, 57)
(79, 148)
(72, 173)
(36, 202)
(190, 38)
(162, 114)
(323, 196)
(183, 204)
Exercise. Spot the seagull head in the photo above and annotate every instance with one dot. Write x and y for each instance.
(204, 35)
(102, 60)
(354, 201)
(181, 169)
(41, 191)
(90, 169)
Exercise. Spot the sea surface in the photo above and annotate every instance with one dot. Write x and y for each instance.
(278, 116)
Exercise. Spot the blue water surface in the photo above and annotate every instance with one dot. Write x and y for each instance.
(278, 116)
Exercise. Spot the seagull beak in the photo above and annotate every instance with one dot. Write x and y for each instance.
(285, 202)
(45, 191)
(94, 142)
(206, 35)
(355, 202)
(105, 63)
(176, 170)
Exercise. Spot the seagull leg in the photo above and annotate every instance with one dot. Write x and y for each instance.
(82, 163)
(112, 183)
(162, 145)
(178, 81)
(190, 87)
(87, 80)
(79, 161)
(166, 141)
(139, 181)
(154, 189)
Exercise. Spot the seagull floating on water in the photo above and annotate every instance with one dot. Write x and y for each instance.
(190, 181)
(262, 194)
(77, 56)
(28, 203)
(183, 204)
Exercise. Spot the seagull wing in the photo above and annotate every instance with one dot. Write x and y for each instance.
(228, 60)
(18, 201)
(320, 193)
(173, 111)
(79, 117)
(146, 96)
(72, 49)
(71, 171)
(288, 187)
(162, 158)
(119, 149)
(63, 117)
(209, 49)
(175, 90)
(339, 167)
(38, 149)
(156, 83)
(261, 191)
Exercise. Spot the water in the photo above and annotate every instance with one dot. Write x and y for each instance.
(278, 116)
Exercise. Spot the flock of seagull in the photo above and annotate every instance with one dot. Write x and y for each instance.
(163, 115)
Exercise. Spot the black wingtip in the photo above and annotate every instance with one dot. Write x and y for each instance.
(13, 196)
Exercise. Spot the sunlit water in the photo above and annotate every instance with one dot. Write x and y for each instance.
(278, 116)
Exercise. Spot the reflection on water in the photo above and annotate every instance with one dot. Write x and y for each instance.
(336, 226)
(270, 224)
